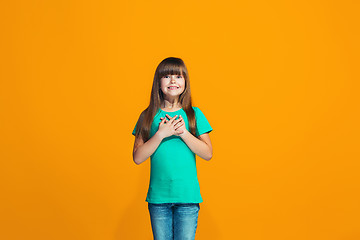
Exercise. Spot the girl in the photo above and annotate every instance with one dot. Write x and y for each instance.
(171, 131)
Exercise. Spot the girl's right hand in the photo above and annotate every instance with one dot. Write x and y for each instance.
(168, 128)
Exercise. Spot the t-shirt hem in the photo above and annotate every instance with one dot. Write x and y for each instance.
(173, 201)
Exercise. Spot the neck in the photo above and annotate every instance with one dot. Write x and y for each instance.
(171, 104)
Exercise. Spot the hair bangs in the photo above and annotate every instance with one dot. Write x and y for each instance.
(172, 69)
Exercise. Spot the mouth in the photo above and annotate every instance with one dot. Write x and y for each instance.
(173, 88)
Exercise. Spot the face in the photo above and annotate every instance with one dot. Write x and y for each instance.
(172, 85)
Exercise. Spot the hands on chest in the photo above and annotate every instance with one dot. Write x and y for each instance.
(171, 126)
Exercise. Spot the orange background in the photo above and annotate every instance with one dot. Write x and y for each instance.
(277, 80)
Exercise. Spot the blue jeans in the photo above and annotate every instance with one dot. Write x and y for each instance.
(174, 221)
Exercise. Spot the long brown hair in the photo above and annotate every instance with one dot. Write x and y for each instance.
(168, 66)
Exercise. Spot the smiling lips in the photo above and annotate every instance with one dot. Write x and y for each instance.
(173, 87)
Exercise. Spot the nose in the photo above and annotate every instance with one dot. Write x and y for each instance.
(172, 79)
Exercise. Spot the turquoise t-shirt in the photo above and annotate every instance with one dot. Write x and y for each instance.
(173, 175)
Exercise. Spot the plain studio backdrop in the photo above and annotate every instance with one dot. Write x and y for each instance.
(277, 80)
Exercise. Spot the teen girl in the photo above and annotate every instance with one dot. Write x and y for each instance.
(171, 131)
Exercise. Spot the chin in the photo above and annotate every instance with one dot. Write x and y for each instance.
(174, 93)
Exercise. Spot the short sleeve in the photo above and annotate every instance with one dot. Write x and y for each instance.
(202, 124)
(134, 131)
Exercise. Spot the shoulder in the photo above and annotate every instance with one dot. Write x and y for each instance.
(198, 113)
(195, 108)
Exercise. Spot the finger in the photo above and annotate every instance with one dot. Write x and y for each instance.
(178, 122)
(168, 116)
(172, 119)
(178, 125)
(167, 120)
(163, 121)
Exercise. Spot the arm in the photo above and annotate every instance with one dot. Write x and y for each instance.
(200, 146)
(142, 151)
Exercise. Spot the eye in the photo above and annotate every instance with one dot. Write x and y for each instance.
(179, 76)
(167, 76)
